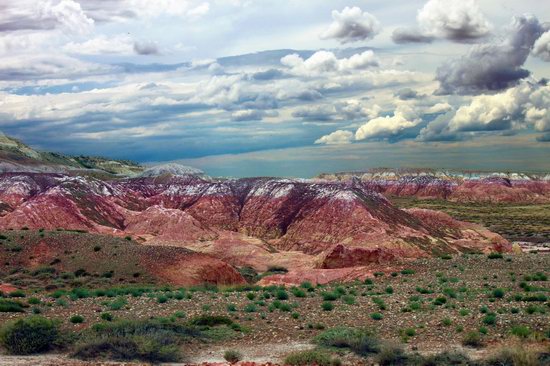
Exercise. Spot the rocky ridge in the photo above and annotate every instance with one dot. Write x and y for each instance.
(256, 222)
(466, 186)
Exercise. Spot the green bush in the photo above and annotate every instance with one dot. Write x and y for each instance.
(348, 299)
(107, 317)
(376, 316)
(30, 335)
(250, 308)
(516, 355)
(17, 293)
(281, 295)
(495, 256)
(498, 293)
(447, 358)
(11, 306)
(232, 356)
(77, 319)
(150, 341)
(33, 301)
(118, 304)
(298, 292)
(311, 357)
(360, 341)
(391, 355)
(210, 320)
(521, 331)
(285, 307)
(472, 339)
(490, 319)
(327, 306)
(330, 296)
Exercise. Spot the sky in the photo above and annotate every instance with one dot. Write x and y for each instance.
(281, 88)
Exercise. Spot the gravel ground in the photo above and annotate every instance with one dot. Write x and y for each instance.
(466, 283)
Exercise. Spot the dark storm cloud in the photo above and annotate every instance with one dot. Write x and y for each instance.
(408, 94)
(270, 74)
(406, 35)
(438, 130)
(146, 48)
(25, 23)
(492, 66)
(323, 113)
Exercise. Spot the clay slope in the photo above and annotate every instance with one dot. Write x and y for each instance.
(454, 186)
(246, 222)
(126, 261)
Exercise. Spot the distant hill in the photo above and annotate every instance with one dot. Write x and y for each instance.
(15, 156)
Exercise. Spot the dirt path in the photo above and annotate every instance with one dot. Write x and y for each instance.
(55, 360)
(262, 353)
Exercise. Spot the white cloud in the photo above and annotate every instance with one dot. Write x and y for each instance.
(34, 67)
(439, 108)
(102, 44)
(326, 62)
(403, 118)
(352, 25)
(491, 112)
(339, 137)
(28, 15)
(454, 20)
(520, 107)
(252, 115)
(459, 21)
(151, 9)
(541, 48)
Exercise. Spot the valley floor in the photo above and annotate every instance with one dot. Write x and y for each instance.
(429, 306)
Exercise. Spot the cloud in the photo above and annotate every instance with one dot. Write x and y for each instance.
(407, 93)
(146, 48)
(439, 108)
(353, 109)
(541, 48)
(352, 25)
(316, 113)
(403, 118)
(458, 21)
(326, 62)
(28, 15)
(120, 44)
(339, 137)
(122, 10)
(252, 115)
(410, 35)
(48, 67)
(520, 107)
(347, 110)
(492, 66)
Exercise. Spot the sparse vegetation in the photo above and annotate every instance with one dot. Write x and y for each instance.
(30, 335)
